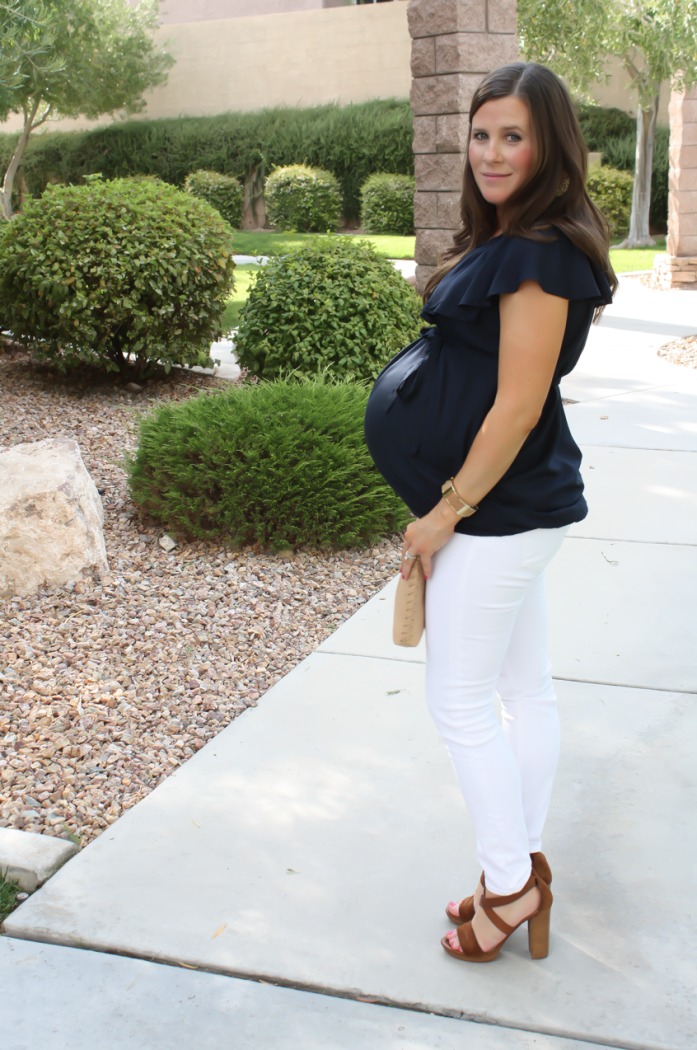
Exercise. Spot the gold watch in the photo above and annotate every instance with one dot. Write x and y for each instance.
(464, 510)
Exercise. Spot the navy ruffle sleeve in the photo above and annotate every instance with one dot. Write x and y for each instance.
(559, 267)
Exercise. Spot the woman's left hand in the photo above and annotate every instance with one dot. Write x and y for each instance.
(427, 535)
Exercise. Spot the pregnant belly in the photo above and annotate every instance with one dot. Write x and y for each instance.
(422, 416)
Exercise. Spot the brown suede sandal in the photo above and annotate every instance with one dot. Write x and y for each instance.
(466, 909)
(538, 925)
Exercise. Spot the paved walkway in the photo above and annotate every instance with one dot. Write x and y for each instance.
(315, 841)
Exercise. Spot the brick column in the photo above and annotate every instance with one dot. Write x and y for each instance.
(454, 43)
(679, 269)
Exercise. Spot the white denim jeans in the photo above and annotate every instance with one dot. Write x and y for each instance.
(486, 632)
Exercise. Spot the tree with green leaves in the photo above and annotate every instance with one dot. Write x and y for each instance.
(72, 58)
(656, 40)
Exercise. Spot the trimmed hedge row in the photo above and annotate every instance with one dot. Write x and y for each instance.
(350, 141)
(353, 142)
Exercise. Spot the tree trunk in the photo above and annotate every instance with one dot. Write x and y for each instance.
(8, 181)
(643, 170)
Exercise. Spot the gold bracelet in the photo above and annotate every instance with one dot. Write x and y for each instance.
(448, 489)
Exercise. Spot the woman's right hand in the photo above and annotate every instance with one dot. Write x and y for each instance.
(427, 535)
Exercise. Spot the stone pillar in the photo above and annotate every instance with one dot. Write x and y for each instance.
(679, 269)
(454, 43)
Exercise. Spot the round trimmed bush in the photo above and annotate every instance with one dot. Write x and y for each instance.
(117, 275)
(302, 198)
(387, 204)
(334, 304)
(611, 191)
(221, 191)
(282, 463)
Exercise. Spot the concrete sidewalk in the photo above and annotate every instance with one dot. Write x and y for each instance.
(316, 841)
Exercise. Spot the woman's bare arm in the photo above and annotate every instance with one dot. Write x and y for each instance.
(532, 329)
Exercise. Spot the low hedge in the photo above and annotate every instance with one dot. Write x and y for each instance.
(351, 141)
(332, 304)
(222, 192)
(116, 274)
(612, 192)
(387, 204)
(302, 198)
(282, 463)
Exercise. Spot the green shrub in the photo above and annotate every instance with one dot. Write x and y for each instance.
(620, 153)
(283, 463)
(350, 141)
(387, 204)
(302, 198)
(331, 304)
(93, 273)
(221, 191)
(611, 191)
(600, 123)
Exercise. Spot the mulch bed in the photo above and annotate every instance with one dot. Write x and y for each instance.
(108, 687)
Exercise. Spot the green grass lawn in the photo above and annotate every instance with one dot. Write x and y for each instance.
(255, 243)
(625, 260)
(8, 893)
(266, 242)
(243, 279)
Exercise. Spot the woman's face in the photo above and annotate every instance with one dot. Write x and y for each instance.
(501, 147)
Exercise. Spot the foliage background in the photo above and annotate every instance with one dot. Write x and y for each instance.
(303, 199)
(387, 204)
(350, 141)
(221, 191)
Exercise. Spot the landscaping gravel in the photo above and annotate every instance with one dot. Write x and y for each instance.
(108, 687)
(681, 351)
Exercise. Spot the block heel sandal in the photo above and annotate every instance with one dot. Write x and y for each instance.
(465, 912)
(538, 925)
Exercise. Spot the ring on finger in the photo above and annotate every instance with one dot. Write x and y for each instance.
(412, 557)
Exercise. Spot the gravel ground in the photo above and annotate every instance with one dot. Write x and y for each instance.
(107, 687)
(681, 351)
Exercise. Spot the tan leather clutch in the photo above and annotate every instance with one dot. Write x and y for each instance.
(409, 607)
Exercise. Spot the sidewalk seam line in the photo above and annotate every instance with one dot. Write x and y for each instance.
(617, 539)
(335, 993)
(636, 448)
(555, 677)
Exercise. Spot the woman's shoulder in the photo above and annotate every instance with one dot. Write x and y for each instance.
(551, 258)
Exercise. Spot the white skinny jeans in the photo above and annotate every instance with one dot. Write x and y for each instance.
(486, 632)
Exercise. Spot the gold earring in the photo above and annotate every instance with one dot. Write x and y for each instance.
(563, 186)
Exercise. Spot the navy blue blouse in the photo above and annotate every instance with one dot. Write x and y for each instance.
(429, 402)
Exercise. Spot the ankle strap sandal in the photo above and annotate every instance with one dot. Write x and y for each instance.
(538, 925)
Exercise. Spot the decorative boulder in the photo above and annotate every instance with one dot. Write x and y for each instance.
(51, 517)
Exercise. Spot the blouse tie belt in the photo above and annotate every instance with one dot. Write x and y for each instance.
(406, 375)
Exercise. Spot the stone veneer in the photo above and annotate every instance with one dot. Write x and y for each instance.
(454, 43)
(679, 268)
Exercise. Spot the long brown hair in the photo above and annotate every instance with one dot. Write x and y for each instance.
(560, 162)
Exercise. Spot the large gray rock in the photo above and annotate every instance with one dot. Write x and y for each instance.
(51, 517)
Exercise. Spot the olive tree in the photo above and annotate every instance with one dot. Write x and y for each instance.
(656, 40)
(72, 58)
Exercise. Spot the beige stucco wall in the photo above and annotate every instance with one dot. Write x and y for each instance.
(303, 58)
(300, 58)
(616, 94)
(177, 12)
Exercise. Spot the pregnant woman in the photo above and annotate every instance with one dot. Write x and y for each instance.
(467, 425)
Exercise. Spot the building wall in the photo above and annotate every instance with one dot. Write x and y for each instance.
(299, 58)
(180, 12)
(303, 58)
